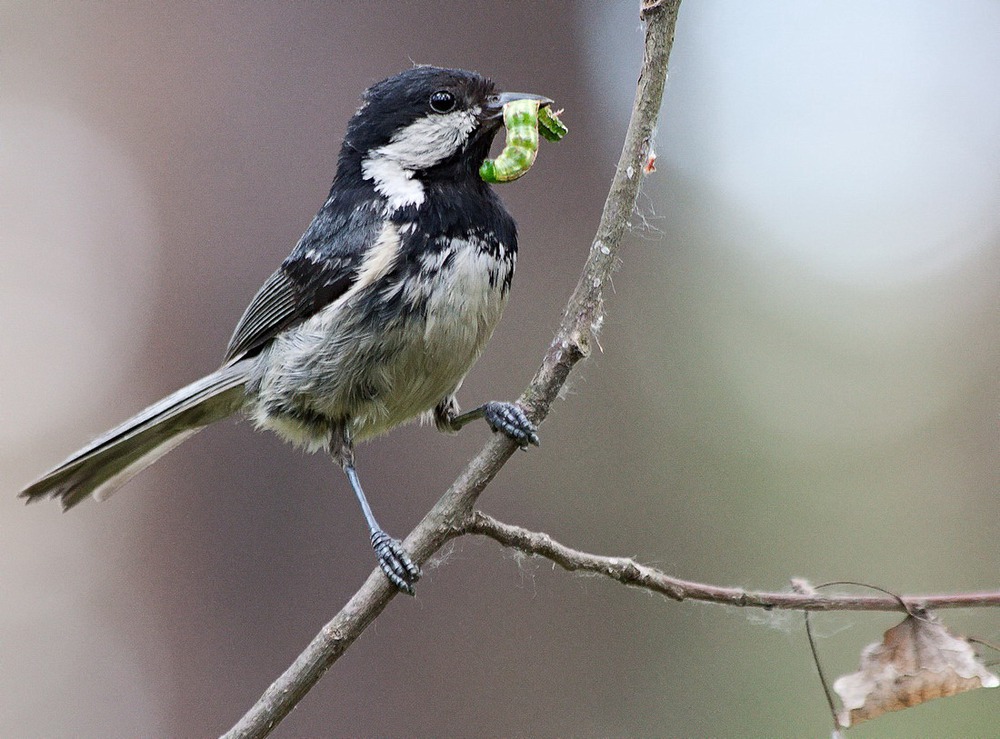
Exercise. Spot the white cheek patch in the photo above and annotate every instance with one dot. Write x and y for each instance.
(428, 140)
(424, 143)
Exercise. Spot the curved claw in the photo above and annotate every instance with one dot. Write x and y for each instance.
(511, 420)
(394, 561)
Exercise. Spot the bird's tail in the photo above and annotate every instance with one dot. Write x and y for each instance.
(107, 463)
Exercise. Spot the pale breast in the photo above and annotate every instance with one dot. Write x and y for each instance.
(461, 290)
(346, 366)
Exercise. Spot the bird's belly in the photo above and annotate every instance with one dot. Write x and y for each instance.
(346, 368)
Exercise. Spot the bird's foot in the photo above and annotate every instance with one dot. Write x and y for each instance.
(511, 420)
(394, 561)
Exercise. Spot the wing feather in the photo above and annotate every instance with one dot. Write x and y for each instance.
(272, 309)
(320, 269)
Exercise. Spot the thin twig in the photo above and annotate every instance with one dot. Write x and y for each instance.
(629, 572)
(583, 316)
(824, 683)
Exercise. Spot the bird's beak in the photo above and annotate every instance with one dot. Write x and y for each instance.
(494, 106)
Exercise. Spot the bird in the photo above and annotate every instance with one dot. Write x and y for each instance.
(377, 314)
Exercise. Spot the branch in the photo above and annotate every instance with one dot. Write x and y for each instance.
(629, 572)
(583, 316)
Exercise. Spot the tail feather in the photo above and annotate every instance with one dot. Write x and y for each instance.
(114, 458)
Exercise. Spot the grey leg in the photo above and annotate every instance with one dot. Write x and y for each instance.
(392, 558)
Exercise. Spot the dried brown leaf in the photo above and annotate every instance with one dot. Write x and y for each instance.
(917, 660)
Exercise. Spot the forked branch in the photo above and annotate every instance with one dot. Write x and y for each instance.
(455, 514)
(582, 317)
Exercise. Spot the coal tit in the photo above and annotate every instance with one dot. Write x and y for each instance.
(375, 317)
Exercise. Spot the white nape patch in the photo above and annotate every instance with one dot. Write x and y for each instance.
(424, 143)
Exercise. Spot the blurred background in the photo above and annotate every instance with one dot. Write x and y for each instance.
(798, 377)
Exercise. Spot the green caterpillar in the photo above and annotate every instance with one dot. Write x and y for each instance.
(549, 125)
(524, 121)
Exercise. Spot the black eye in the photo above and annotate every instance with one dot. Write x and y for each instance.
(442, 101)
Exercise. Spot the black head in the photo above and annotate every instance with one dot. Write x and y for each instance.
(389, 107)
(422, 124)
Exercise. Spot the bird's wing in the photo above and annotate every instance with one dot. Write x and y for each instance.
(321, 268)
